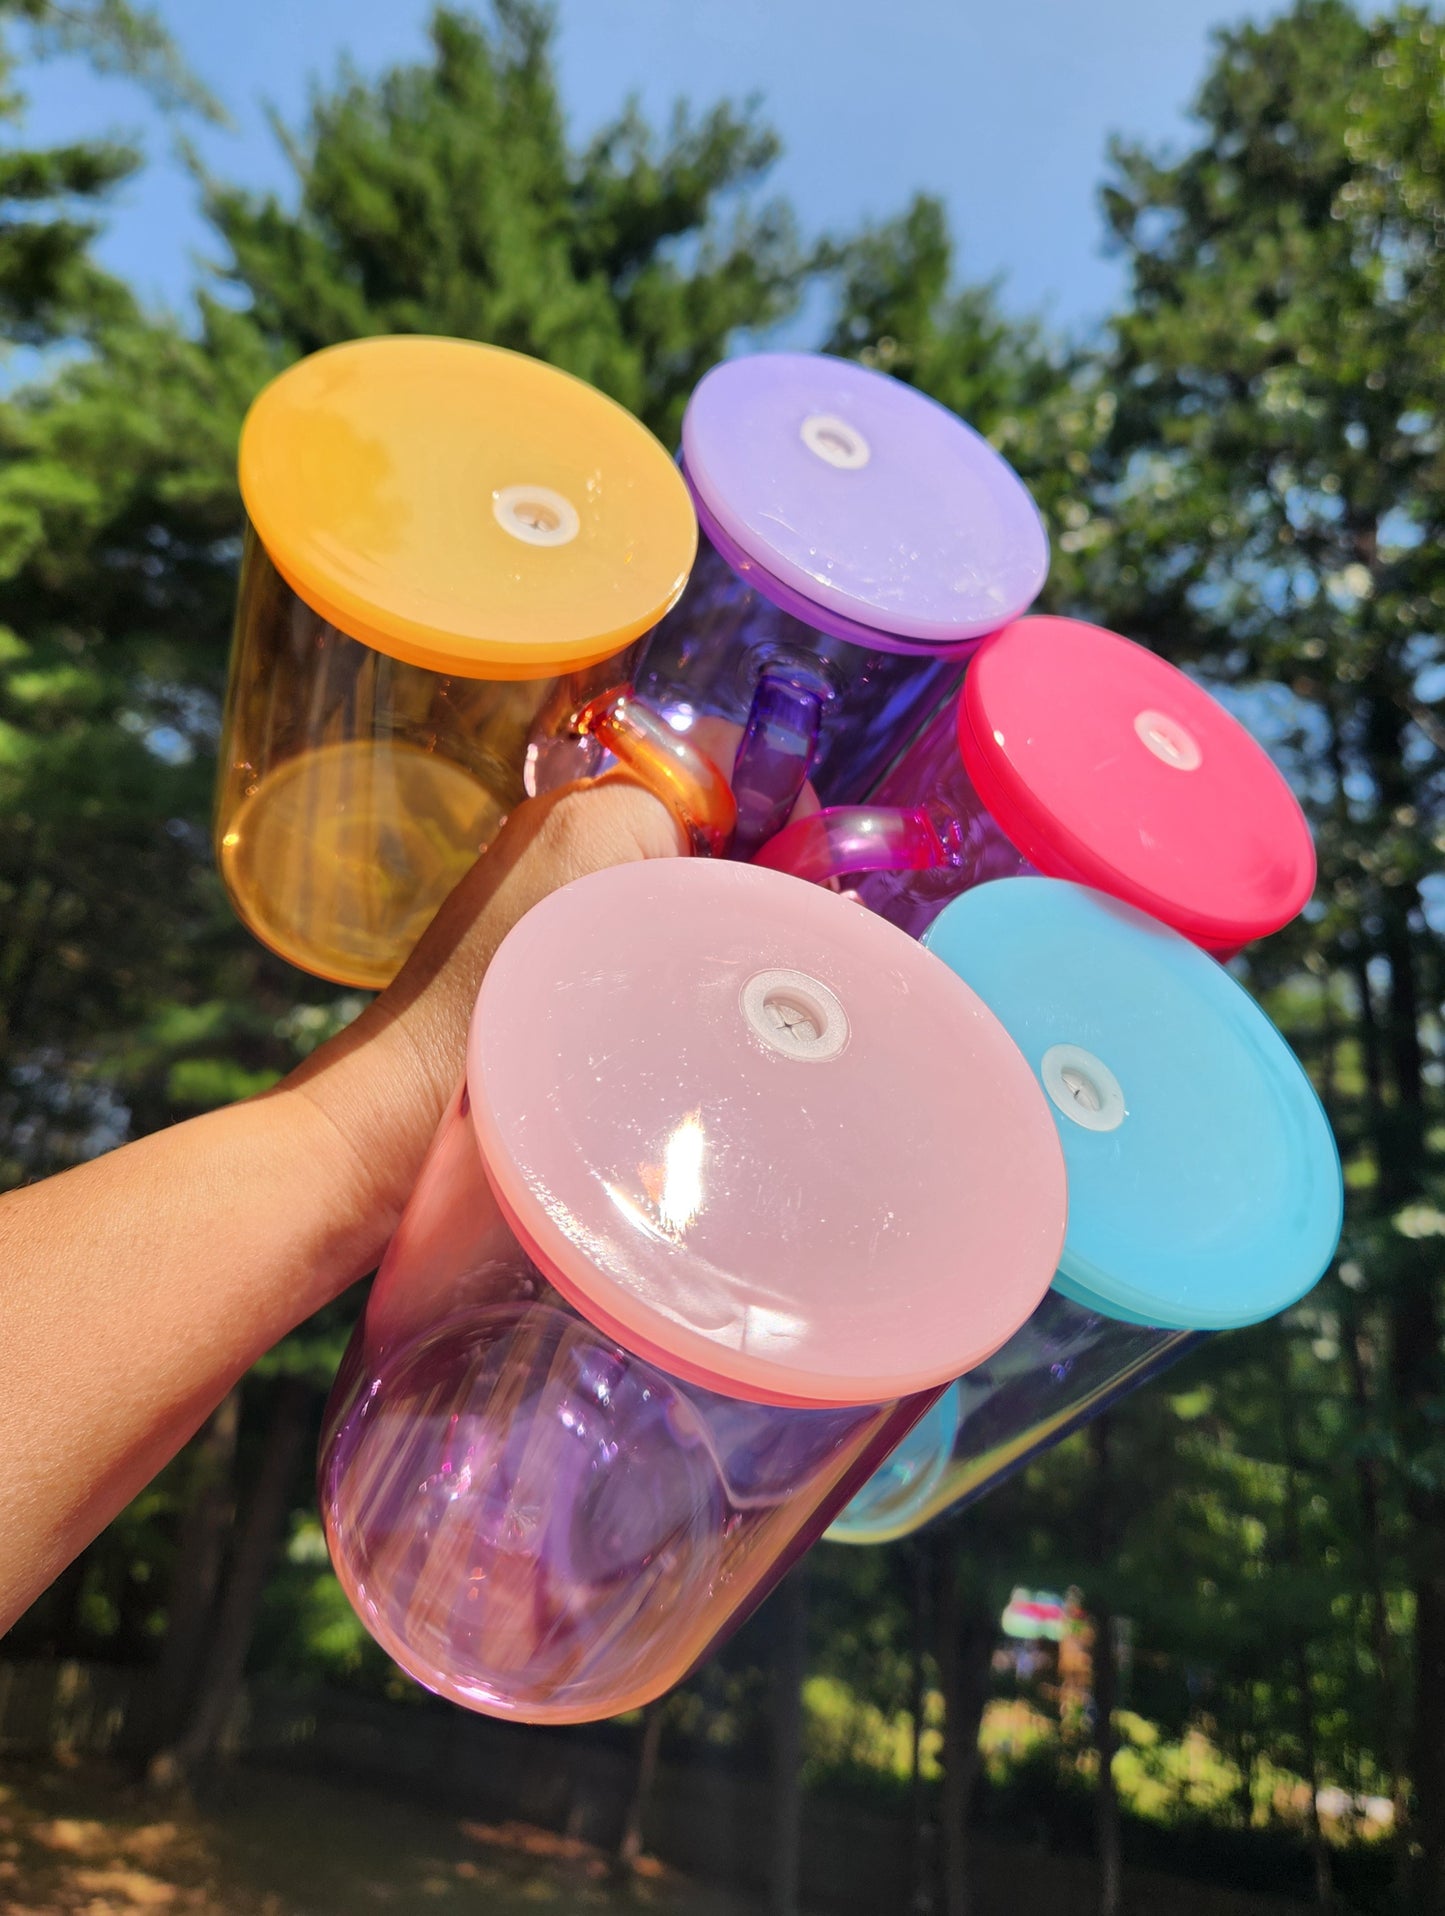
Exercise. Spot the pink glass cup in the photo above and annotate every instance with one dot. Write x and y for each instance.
(1076, 754)
(703, 1233)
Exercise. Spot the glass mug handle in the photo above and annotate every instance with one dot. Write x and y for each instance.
(774, 757)
(778, 749)
(846, 839)
(668, 765)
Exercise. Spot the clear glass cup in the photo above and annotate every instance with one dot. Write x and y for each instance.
(691, 1252)
(1063, 1368)
(446, 544)
(1205, 1190)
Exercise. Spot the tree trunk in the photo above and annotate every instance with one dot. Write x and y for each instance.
(920, 1556)
(1319, 1848)
(965, 1644)
(1106, 1796)
(1417, 1376)
(1299, 1649)
(629, 1843)
(256, 1543)
(790, 1669)
(135, 1607)
(1415, 1334)
(1105, 1686)
(1429, 1764)
(196, 1576)
(1358, 963)
(1382, 1641)
(33, 923)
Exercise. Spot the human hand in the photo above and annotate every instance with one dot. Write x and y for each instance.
(136, 1290)
(382, 1084)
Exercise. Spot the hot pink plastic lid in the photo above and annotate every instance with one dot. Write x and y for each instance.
(761, 1137)
(1105, 764)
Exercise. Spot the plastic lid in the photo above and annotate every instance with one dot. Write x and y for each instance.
(1104, 763)
(1204, 1184)
(711, 1104)
(862, 496)
(464, 508)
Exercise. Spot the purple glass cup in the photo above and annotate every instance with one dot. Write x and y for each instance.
(858, 541)
(701, 1236)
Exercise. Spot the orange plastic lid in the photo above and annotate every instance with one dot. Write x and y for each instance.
(464, 508)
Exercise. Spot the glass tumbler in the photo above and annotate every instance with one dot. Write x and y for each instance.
(1204, 1184)
(1081, 755)
(858, 540)
(703, 1233)
(443, 541)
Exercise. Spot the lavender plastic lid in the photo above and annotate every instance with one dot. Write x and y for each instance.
(821, 618)
(866, 500)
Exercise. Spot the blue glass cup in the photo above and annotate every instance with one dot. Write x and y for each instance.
(1205, 1190)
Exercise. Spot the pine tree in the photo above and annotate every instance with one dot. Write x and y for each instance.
(447, 198)
(1277, 488)
(1036, 399)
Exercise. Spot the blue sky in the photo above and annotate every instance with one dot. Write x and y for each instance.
(1004, 110)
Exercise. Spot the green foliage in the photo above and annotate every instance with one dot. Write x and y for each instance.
(115, 37)
(447, 199)
(48, 284)
(1249, 473)
(1037, 401)
(442, 198)
(1272, 484)
(1275, 468)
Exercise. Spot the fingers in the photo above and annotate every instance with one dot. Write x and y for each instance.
(545, 844)
(384, 1081)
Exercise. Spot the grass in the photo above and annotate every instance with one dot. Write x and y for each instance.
(77, 1840)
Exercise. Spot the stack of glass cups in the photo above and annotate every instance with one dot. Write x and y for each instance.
(1078, 754)
(858, 541)
(439, 534)
(705, 1231)
(1204, 1185)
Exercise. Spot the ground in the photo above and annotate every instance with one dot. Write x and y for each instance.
(80, 1840)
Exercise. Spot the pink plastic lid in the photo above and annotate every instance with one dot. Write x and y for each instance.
(761, 1137)
(1105, 764)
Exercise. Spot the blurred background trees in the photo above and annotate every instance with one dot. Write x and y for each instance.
(1246, 470)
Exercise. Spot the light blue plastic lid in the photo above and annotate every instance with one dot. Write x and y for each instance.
(1204, 1184)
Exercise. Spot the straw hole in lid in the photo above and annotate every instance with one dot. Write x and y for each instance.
(795, 1015)
(1170, 742)
(1083, 1087)
(536, 515)
(835, 442)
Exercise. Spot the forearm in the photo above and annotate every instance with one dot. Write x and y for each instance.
(136, 1290)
